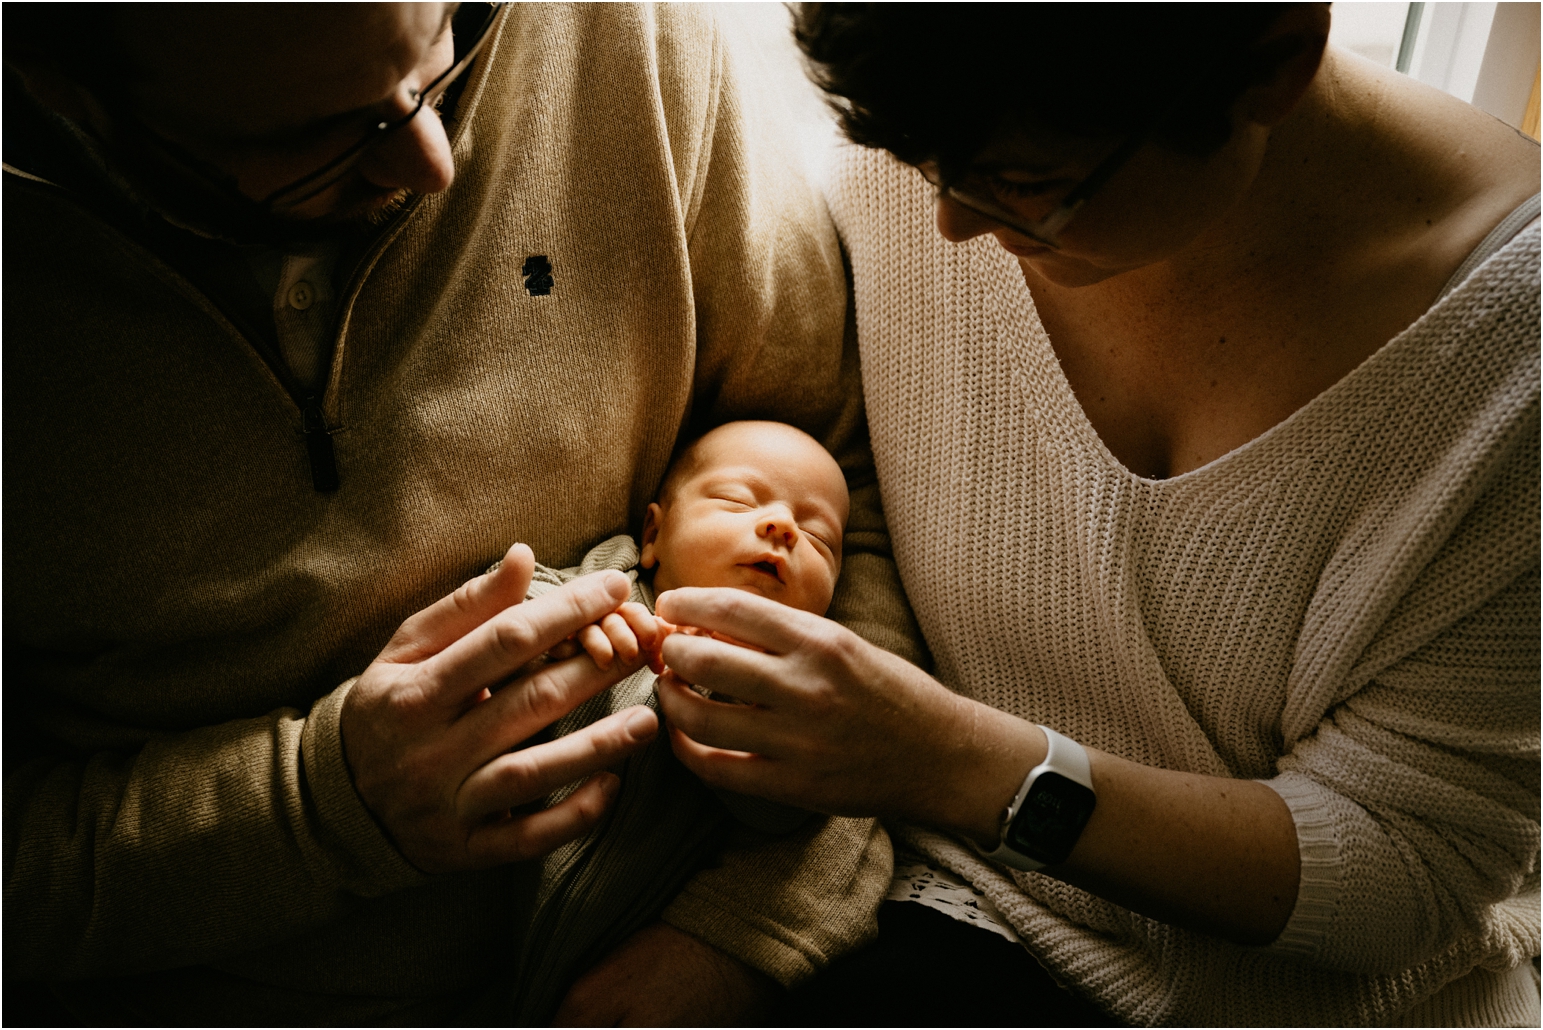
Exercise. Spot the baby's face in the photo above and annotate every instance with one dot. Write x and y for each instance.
(762, 508)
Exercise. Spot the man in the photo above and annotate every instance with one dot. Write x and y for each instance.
(311, 311)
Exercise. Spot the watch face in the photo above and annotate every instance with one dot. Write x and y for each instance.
(1051, 818)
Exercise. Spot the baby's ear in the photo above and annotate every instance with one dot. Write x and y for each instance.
(651, 522)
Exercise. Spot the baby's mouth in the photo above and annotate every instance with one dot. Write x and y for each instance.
(768, 567)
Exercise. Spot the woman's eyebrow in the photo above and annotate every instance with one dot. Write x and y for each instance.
(1025, 167)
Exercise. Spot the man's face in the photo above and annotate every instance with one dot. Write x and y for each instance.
(269, 93)
(763, 509)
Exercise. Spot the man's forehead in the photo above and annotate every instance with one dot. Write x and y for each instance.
(249, 69)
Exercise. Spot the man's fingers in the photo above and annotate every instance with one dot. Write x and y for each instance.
(521, 777)
(530, 836)
(504, 643)
(463, 610)
(739, 614)
(530, 703)
(727, 726)
(739, 771)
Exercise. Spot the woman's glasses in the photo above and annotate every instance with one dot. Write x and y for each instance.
(973, 194)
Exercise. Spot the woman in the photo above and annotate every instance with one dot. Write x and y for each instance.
(1208, 442)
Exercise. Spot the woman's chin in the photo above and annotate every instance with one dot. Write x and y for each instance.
(1060, 269)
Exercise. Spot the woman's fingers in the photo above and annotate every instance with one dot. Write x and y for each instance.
(716, 767)
(502, 644)
(523, 776)
(730, 727)
(743, 673)
(470, 605)
(524, 837)
(739, 614)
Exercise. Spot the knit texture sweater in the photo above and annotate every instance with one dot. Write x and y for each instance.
(184, 611)
(1345, 608)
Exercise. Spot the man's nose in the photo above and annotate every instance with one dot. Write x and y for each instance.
(415, 157)
(779, 529)
(957, 223)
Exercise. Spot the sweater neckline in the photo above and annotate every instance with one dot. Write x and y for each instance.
(1514, 226)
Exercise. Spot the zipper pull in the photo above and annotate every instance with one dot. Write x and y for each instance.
(318, 445)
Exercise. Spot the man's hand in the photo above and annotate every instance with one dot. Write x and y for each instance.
(431, 728)
(662, 977)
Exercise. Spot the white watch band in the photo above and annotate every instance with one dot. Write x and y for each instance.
(1063, 756)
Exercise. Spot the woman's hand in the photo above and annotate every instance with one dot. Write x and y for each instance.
(832, 723)
(840, 726)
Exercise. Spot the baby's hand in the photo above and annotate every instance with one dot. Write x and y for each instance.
(625, 633)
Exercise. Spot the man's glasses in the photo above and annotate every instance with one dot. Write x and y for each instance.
(287, 198)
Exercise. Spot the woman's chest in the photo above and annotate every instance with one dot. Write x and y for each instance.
(1155, 620)
(1173, 375)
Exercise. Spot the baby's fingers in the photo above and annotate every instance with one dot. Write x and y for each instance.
(596, 643)
(649, 631)
(623, 642)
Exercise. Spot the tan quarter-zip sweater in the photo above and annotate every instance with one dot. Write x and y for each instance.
(181, 604)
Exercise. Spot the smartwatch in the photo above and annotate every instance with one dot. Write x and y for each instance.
(1042, 824)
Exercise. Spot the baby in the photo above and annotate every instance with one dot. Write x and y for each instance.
(757, 506)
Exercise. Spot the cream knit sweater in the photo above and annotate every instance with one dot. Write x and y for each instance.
(1345, 608)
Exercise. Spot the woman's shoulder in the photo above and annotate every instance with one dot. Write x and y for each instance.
(1457, 175)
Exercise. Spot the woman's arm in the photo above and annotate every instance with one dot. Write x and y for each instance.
(844, 727)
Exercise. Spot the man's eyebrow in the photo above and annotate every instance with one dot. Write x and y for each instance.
(326, 122)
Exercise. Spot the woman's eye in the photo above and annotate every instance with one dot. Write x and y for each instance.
(1023, 190)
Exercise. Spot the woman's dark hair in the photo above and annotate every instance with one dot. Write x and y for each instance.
(939, 81)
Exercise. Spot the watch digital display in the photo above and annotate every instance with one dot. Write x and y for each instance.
(1051, 818)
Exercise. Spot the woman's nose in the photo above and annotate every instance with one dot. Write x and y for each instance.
(779, 530)
(415, 157)
(957, 223)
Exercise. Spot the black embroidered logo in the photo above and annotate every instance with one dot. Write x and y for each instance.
(538, 275)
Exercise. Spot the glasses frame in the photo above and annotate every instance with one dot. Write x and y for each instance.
(291, 195)
(1046, 231)
(313, 183)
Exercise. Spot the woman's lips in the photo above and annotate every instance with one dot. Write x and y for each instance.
(1024, 249)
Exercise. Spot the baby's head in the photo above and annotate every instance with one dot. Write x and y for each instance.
(759, 506)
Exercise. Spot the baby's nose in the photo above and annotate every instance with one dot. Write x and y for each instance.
(779, 530)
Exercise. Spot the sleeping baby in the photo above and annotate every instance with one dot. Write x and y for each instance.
(757, 506)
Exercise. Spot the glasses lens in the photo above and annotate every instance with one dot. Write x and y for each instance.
(298, 192)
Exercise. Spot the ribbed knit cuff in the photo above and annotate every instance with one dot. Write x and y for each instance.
(1322, 866)
(716, 925)
(368, 863)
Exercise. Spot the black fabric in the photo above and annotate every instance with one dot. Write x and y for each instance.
(927, 969)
